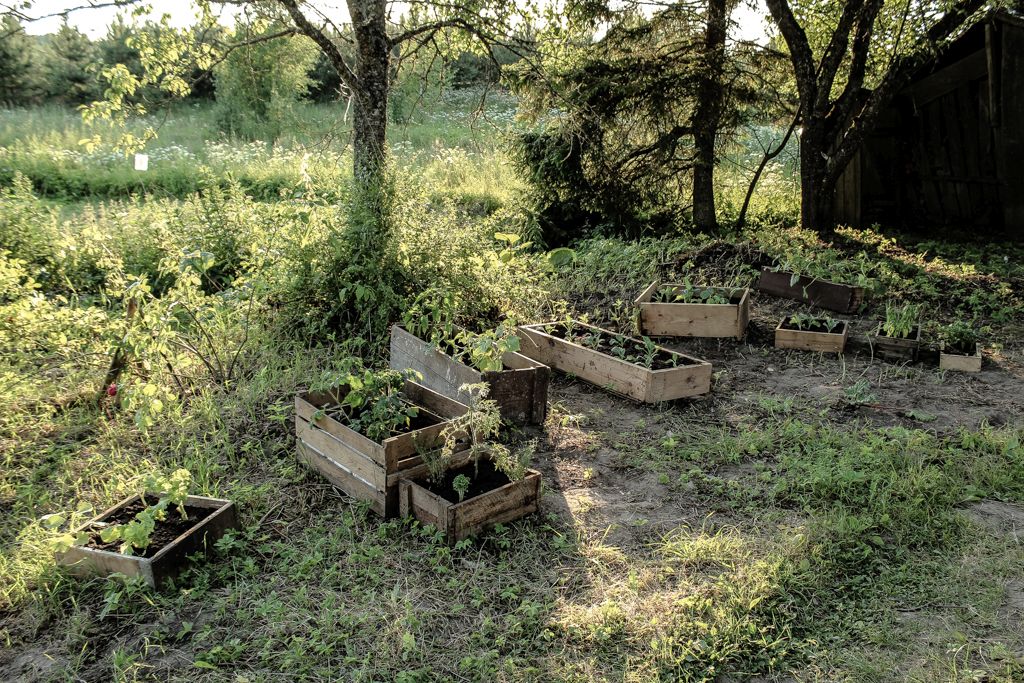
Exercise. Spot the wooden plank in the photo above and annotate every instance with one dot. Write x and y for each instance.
(951, 77)
(895, 348)
(959, 363)
(834, 296)
(415, 468)
(166, 564)
(341, 477)
(513, 388)
(679, 319)
(648, 293)
(342, 454)
(804, 340)
(613, 374)
(350, 437)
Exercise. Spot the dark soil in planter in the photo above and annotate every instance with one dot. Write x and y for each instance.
(812, 326)
(912, 336)
(424, 418)
(483, 477)
(960, 350)
(164, 532)
(669, 298)
(634, 350)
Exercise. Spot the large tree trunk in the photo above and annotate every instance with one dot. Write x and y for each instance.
(370, 94)
(708, 116)
(816, 191)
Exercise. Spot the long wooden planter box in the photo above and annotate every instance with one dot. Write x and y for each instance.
(834, 296)
(520, 390)
(614, 374)
(666, 319)
(473, 515)
(895, 348)
(806, 340)
(169, 561)
(359, 466)
(961, 363)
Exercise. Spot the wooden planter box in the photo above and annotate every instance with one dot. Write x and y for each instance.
(664, 319)
(473, 515)
(895, 348)
(956, 361)
(806, 340)
(359, 466)
(521, 389)
(614, 374)
(169, 561)
(822, 293)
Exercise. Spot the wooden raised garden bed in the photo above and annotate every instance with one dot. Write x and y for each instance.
(520, 390)
(834, 296)
(898, 349)
(492, 499)
(682, 319)
(669, 375)
(814, 338)
(359, 466)
(172, 541)
(951, 359)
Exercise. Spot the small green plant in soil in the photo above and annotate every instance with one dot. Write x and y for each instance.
(959, 338)
(461, 486)
(134, 536)
(643, 352)
(483, 350)
(687, 293)
(374, 405)
(900, 321)
(807, 322)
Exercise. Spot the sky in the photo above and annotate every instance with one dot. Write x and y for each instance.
(94, 22)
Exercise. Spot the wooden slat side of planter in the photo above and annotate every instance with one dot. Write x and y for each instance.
(803, 340)
(475, 515)
(166, 564)
(659, 319)
(834, 296)
(520, 389)
(359, 466)
(894, 348)
(614, 374)
(960, 363)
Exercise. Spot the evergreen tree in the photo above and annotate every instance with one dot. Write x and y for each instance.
(18, 77)
(70, 58)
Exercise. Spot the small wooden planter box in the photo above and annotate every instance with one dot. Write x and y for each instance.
(614, 374)
(169, 561)
(473, 515)
(521, 389)
(894, 348)
(955, 361)
(834, 296)
(359, 466)
(664, 319)
(806, 340)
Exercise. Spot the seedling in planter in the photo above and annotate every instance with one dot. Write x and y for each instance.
(461, 486)
(135, 536)
(689, 294)
(374, 405)
(900, 321)
(960, 338)
(808, 322)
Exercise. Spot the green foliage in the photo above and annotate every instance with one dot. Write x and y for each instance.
(18, 73)
(688, 293)
(373, 404)
(812, 322)
(901, 320)
(70, 67)
(461, 485)
(135, 535)
(259, 85)
(960, 337)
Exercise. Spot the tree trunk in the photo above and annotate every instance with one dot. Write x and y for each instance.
(708, 116)
(815, 191)
(370, 94)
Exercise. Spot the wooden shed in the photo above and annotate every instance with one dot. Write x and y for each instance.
(948, 154)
